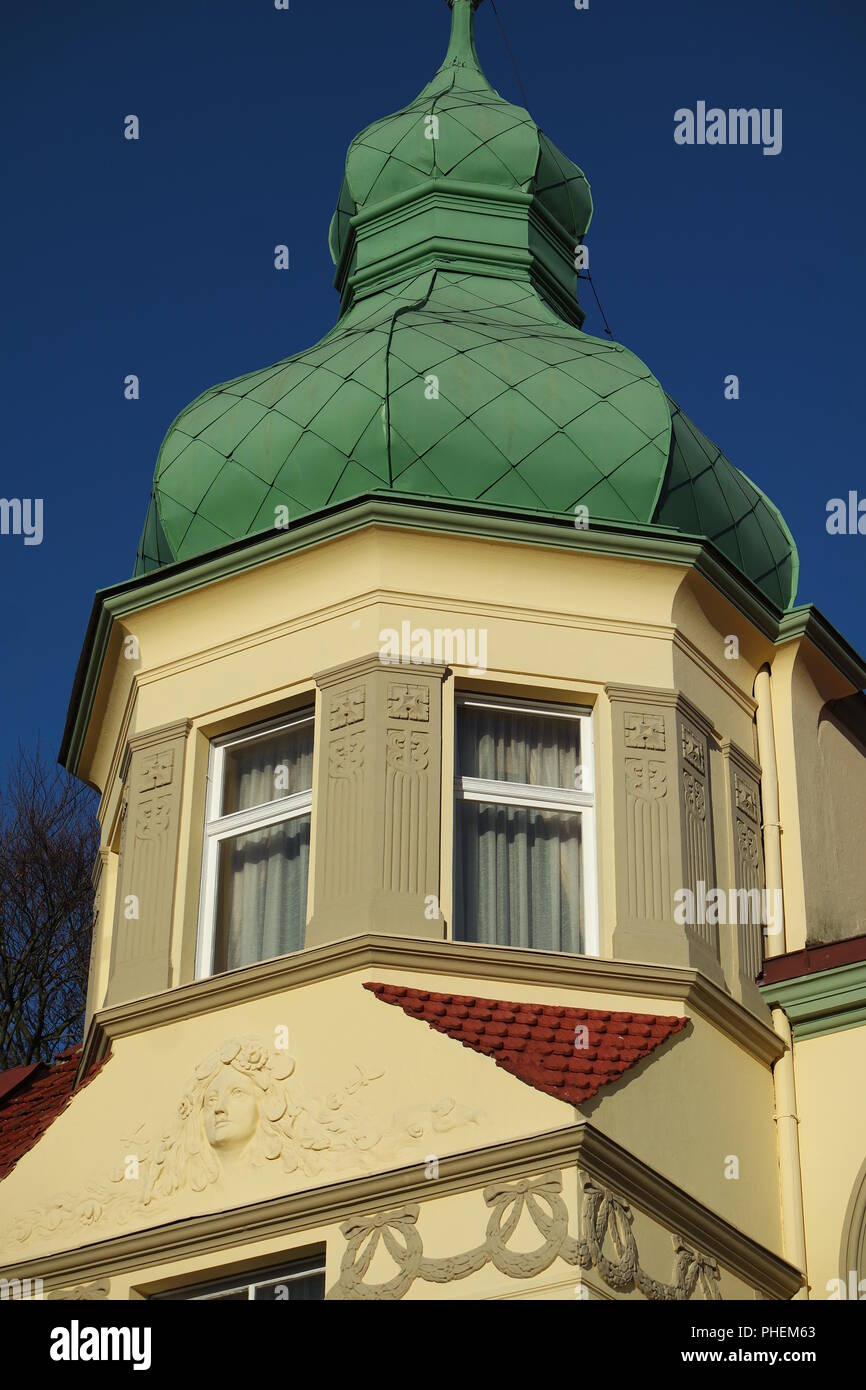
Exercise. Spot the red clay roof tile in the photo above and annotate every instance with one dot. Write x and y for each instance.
(34, 1102)
(538, 1043)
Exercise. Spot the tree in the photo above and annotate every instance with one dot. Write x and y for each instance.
(49, 839)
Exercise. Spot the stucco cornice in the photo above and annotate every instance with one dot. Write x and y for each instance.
(506, 964)
(373, 661)
(486, 522)
(806, 621)
(580, 1144)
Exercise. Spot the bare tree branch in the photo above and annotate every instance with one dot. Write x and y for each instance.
(49, 839)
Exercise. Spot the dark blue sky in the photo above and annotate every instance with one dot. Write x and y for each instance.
(156, 257)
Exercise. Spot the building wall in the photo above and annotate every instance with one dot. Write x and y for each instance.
(399, 1094)
(832, 1147)
(612, 634)
(823, 772)
(558, 625)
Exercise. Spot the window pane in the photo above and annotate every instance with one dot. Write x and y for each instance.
(519, 877)
(268, 768)
(504, 746)
(308, 1288)
(262, 893)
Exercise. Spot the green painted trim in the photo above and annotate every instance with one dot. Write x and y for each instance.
(806, 621)
(541, 247)
(635, 542)
(826, 1002)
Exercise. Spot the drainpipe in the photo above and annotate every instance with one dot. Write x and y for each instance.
(784, 1087)
(788, 1145)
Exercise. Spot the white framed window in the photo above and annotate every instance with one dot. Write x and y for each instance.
(524, 833)
(256, 845)
(292, 1282)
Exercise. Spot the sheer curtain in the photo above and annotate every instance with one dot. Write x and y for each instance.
(519, 876)
(262, 874)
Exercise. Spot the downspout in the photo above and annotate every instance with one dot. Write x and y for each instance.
(784, 1086)
(788, 1146)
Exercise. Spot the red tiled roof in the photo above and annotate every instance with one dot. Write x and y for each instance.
(539, 1043)
(16, 1076)
(33, 1102)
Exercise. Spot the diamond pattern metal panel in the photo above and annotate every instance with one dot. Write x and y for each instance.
(448, 404)
(455, 384)
(704, 494)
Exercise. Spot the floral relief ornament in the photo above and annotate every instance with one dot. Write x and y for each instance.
(243, 1109)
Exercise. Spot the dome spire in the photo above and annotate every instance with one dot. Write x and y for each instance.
(462, 52)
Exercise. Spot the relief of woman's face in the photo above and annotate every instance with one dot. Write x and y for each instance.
(231, 1111)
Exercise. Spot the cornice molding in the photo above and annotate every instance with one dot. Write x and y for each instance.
(506, 964)
(580, 1144)
(641, 543)
(667, 698)
(806, 621)
(151, 738)
(363, 665)
(740, 758)
(824, 1002)
(715, 673)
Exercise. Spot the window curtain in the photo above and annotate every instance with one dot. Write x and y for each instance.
(519, 877)
(263, 893)
(262, 884)
(519, 869)
(268, 769)
(539, 750)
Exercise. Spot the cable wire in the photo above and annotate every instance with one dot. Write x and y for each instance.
(586, 275)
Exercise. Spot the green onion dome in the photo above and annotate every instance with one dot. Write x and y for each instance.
(457, 369)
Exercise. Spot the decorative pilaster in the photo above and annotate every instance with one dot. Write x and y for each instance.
(664, 829)
(697, 822)
(743, 946)
(152, 773)
(376, 803)
(102, 879)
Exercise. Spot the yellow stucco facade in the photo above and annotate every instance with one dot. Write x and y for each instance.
(671, 1181)
(506, 743)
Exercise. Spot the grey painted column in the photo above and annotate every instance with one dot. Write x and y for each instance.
(743, 954)
(152, 772)
(663, 829)
(376, 803)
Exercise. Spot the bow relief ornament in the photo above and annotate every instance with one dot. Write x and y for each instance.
(244, 1109)
(607, 1245)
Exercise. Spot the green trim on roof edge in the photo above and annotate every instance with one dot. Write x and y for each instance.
(827, 1001)
(650, 543)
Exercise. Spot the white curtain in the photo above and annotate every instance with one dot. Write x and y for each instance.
(268, 769)
(519, 877)
(537, 749)
(262, 886)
